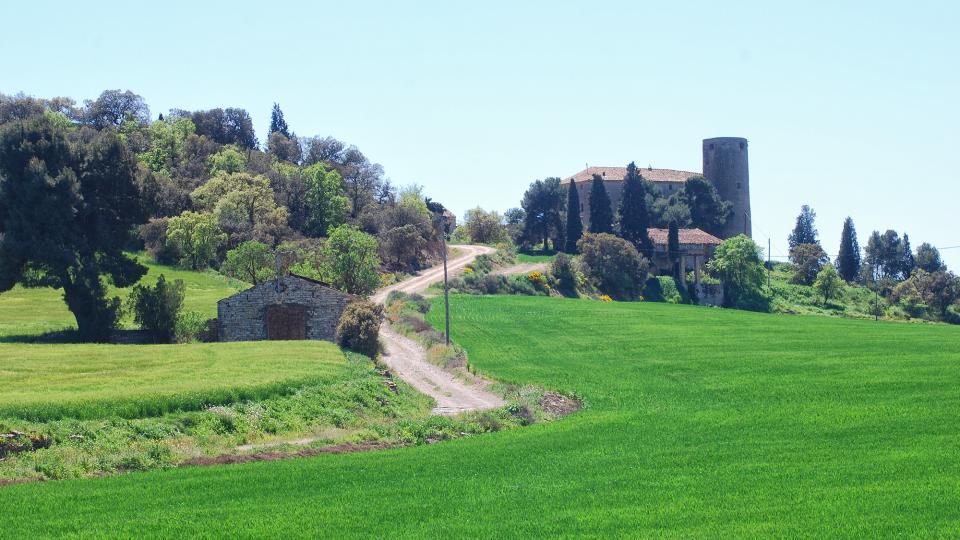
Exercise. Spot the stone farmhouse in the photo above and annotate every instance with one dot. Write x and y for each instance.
(725, 165)
(291, 307)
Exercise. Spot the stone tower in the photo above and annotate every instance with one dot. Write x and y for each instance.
(725, 164)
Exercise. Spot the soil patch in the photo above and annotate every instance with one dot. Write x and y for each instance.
(230, 459)
(559, 404)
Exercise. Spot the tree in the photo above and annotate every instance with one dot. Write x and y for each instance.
(350, 260)
(323, 150)
(251, 261)
(708, 210)
(277, 123)
(155, 309)
(738, 262)
(928, 258)
(403, 247)
(326, 207)
(114, 107)
(907, 261)
(284, 148)
(634, 213)
(225, 126)
(805, 231)
(167, 140)
(808, 260)
(601, 209)
(612, 265)
(848, 259)
(885, 255)
(196, 237)
(673, 248)
(541, 205)
(64, 212)
(936, 290)
(574, 222)
(828, 282)
(485, 227)
(229, 160)
(245, 207)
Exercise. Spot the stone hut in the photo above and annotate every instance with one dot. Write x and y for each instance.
(291, 307)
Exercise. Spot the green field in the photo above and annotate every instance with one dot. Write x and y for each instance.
(699, 422)
(45, 382)
(25, 313)
(536, 257)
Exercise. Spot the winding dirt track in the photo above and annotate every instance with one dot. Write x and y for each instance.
(407, 359)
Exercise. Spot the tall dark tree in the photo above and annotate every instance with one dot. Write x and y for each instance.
(673, 248)
(277, 123)
(574, 223)
(907, 261)
(541, 205)
(634, 212)
(114, 107)
(226, 126)
(805, 231)
(601, 209)
(708, 210)
(64, 210)
(848, 259)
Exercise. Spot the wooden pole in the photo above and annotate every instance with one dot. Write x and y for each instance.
(446, 288)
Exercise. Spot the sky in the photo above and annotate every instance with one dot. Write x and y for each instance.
(850, 107)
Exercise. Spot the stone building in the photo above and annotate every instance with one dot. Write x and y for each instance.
(696, 248)
(725, 165)
(291, 307)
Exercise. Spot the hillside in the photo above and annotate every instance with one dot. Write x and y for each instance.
(699, 422)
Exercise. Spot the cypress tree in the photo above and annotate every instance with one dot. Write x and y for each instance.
(601, 211)
(673, 247)
(634, 213)
(848, 259)
(278, 123)
(805, 231)
(908, 262)
(574, 223)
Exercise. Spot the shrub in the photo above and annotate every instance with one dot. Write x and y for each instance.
(612, 264)
(605, 298)
(359, 327)
(190, 326)
(565, 272)
(738, 263)
(155, 309)
(519, 284)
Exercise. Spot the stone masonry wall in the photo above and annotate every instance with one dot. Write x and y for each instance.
(242, 317)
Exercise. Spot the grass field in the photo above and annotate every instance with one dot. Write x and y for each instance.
(699, 422)
(536, 257)
(45, 382)
(25, 313)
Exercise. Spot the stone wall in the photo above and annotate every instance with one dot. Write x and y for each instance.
(242, 317)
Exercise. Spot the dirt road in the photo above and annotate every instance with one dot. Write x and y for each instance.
(407, 359)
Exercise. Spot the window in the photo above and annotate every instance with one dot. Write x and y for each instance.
(711, 146)
(742, 146)
(738, 185)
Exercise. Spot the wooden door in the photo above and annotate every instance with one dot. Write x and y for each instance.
(286, 322)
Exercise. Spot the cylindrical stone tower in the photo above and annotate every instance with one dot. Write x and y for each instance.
(725, 164)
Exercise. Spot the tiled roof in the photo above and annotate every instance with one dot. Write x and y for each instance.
(687, 236)
(617, 174)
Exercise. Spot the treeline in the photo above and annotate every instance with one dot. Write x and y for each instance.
(81, 184)
(914, 281)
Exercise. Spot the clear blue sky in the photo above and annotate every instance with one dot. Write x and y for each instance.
(851, 108)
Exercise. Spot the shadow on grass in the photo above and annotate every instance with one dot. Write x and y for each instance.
(52, 337)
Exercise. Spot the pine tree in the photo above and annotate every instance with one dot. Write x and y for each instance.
(805, 231)
(634, 213)
(908, 262)
(574, 223)
(278, 123)
(601, 212)
(848, 259)
(673, 247)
